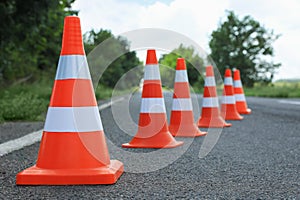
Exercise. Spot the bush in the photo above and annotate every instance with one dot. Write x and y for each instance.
(22, 106)
(1, 117)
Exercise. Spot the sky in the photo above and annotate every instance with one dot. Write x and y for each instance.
(196, 19)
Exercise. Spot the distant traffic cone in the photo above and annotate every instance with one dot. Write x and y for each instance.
(153, 131)
(239, 95)
(210, 115)
(182, 118)
(228, 107)
(73, 149)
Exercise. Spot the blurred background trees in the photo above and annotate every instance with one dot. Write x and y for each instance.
(30, 34)
(122, 64)
(247, 45)
(31, 40)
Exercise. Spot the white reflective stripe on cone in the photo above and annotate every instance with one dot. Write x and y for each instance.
(181, 76)
(182, 104)
(73, 119)
(72, 67)
(238, 84)
(210, 81)
(240, 97)
(153, 105)
(152, 72)
(210, 102)
(228, 81)
(228, 100)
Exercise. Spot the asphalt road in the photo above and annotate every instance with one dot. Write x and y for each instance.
(256, 158)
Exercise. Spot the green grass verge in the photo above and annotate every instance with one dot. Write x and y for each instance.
(26, 102)
(276, 90)
(29, 102)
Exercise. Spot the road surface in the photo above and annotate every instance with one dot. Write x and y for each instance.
(256, 158)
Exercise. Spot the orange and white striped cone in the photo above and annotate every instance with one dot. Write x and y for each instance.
(182, 117)
(210, 114)
(73, 149)
(239, 95)
(228, 107)
(153, 130)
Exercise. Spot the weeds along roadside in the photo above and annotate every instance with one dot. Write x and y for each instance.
(275, 90)
(29, 102)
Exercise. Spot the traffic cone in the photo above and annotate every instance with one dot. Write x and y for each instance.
(210, 115)
(239, 95)
(182, 117)
(228, 107)
(153, 130)
(73, 149)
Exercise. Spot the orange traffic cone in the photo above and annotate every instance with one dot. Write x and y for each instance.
(182, 117)
(210, 115)
(153, 130)
(228, 107)
(239, 95)
(73, 149)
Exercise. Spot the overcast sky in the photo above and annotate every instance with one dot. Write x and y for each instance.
(196, 19)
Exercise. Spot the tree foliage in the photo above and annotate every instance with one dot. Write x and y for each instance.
(112, 47)
(30, 34)
(193, 62)
(247, 45)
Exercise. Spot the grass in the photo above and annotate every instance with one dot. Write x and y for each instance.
(26, 102)
(29, 102)
(276, 90)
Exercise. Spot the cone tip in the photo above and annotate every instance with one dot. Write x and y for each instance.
(72, 43)
(236, 74)
(209, 70)
(180, 64)
(227, 73)
(151, 57)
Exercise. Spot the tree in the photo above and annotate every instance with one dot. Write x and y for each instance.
(247, 45)
(122, 64)
(193, 62)
(30, 35)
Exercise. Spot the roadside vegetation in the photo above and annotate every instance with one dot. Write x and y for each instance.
(275, 90)
(278, 89)
(31, 41)
(29, 102)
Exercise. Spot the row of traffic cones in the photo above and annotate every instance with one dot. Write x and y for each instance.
(153, 130)
(73, 148)
(233, 100)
